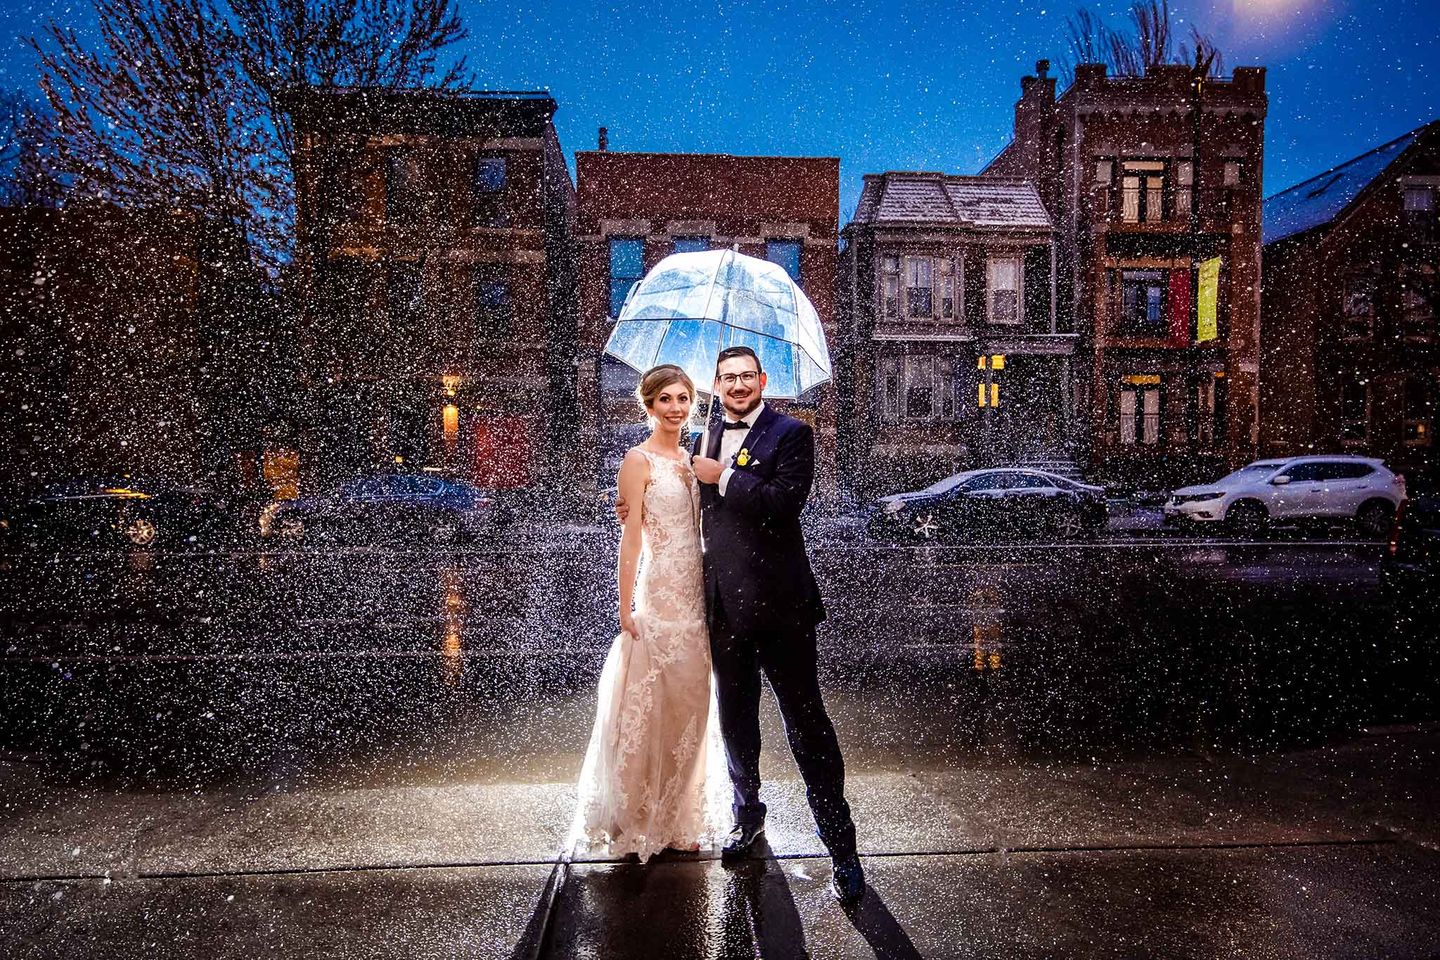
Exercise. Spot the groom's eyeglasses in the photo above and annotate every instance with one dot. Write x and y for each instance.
(729, 379)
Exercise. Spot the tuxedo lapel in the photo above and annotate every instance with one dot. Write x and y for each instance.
(762, 426)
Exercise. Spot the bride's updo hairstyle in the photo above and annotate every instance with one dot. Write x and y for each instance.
(658, 378)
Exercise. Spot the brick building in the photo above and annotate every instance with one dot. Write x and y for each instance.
(435, 246)
(1351, 355)
(635, 209)
(1153, 184)
(100, 349)
(951, 354)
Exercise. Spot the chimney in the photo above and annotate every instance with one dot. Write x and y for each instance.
(604, 139)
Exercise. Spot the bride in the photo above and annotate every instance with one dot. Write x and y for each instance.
(642, 786)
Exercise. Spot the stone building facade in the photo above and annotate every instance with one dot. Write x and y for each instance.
(1352, 285)
(635, 209)
(435, 248)
(1153, 184)
(949, 349)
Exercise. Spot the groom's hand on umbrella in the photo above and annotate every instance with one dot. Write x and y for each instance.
(622, 510)
(707, 470)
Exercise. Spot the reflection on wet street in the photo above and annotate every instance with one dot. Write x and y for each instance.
(288, 671)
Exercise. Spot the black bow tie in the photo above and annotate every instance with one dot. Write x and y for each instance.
(736, 425)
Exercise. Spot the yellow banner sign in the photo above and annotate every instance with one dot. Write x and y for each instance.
(1206, 325)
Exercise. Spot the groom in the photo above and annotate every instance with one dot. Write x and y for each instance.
(763, 605)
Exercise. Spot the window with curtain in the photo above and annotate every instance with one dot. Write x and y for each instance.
(1003, 290)
(1139, 415)
(1142, 191)
(919, 292)
(890, 285)
(947, 289)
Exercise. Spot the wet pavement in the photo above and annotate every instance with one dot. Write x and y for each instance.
(1113, 749)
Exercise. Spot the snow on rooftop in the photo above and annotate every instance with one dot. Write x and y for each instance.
(940, 198)
(1319, 200)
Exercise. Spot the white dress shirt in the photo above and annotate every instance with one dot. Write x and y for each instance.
(732, 441)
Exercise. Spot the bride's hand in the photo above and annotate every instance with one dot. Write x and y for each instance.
(627, 624)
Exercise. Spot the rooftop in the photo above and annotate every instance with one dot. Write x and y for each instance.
(1317, 201)
(938, 198)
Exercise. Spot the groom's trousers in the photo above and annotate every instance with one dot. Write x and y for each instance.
(789, 661)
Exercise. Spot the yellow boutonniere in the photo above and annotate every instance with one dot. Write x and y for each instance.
(743, 459)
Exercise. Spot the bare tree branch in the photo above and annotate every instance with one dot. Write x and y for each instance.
(1147, 41)
(178, 103)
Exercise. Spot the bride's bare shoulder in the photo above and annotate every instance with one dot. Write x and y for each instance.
(636, 463)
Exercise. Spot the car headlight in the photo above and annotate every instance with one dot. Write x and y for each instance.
(1179, 499)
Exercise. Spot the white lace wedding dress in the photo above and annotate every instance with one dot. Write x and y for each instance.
(642, 787)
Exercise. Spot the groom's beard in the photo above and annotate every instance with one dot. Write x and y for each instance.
(736, 411)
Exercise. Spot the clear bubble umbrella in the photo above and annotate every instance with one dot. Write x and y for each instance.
(691, 306)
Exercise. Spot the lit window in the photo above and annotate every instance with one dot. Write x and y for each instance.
(1184, 188)
(1232, 173)
(627, 260)
(1103, 170)
(1419, 412)
(1140, 412)
(1142, 193)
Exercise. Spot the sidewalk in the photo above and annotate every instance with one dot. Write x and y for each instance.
(1329, 852)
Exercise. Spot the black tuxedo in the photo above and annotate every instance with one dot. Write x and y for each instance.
(756, 569)
(762, 605)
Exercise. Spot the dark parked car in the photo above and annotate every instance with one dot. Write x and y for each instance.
(1410, 565)
(982, 505)
(130, 513)
(393, 506)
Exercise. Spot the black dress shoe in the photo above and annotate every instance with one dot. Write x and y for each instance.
(847, 880)
(742, 838)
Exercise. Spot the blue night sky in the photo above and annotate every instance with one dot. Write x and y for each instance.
(903, 84)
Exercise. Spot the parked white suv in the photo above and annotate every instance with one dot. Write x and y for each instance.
(1298, 488)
